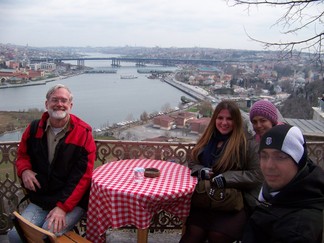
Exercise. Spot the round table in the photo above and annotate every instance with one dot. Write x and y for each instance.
(116, 200)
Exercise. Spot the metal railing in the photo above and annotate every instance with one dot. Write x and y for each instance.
(109, 150)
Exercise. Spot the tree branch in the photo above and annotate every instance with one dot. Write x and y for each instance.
(278, 2)
(294, 20)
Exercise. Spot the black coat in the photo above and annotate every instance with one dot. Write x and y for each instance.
(295, 214)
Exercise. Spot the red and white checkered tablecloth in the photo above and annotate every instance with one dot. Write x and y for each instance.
(116, 200)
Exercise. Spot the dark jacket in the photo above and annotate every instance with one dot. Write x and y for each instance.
(248, 179)
(294, 215)
(66, 181)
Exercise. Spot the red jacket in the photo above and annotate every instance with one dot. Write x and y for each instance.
(66, 181)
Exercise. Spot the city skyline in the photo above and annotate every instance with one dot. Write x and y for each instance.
(183, 23)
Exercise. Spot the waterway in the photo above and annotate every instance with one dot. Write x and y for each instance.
(99, 99)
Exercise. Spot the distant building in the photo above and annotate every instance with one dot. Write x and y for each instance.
(198, 126)
(181, 118)
(223, 91)
(242, 103)
(318, 114)
(36, 66)
(43, 66)
(12, 64)
(176, 120)
(164, 122)
(17, 75)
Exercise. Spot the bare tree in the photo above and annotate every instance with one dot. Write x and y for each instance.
(130, 117)
(296, 18)
(144, 116)
(166, 107)
(205, 108)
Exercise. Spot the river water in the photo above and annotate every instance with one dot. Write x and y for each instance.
(99, 99)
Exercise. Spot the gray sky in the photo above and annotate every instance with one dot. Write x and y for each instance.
(163, 23)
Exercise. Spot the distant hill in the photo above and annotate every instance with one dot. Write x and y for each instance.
(13, 120)
(299, 104)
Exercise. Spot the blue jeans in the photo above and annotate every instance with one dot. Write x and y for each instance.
(37, 216)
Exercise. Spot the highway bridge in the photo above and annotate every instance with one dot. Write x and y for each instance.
(139, 61)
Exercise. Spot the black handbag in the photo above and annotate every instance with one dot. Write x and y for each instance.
(223, 199)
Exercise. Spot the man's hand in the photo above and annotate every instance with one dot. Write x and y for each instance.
(29, 179)
(56, 219)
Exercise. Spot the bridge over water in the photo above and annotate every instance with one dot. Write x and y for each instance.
(139, 61)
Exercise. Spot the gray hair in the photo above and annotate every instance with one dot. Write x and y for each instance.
(56, 87)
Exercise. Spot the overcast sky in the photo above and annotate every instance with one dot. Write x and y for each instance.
(149, 23)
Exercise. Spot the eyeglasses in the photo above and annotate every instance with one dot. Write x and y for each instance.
(57, 100)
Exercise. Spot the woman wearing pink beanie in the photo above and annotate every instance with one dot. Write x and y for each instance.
(263, 116)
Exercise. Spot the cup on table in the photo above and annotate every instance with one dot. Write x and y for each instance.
(139, 174)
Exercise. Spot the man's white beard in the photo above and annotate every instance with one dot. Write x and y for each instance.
(59, 114)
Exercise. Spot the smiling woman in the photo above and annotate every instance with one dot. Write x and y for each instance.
(225, 159)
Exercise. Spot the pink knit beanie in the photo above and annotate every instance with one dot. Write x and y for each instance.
(265, 109)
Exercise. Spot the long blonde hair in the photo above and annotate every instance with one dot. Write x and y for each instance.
(234, 153)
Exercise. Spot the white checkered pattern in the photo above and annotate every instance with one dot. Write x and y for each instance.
(116, 200)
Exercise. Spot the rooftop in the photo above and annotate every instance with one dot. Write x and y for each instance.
(310, 128)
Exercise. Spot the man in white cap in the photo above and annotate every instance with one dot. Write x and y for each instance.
(292, 196)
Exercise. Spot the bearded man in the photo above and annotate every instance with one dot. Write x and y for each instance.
(55, 161)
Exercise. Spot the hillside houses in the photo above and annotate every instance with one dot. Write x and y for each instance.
(168, 122)
(187, 120)
(19, 75)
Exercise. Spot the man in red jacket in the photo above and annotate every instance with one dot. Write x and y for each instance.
(55, 162)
